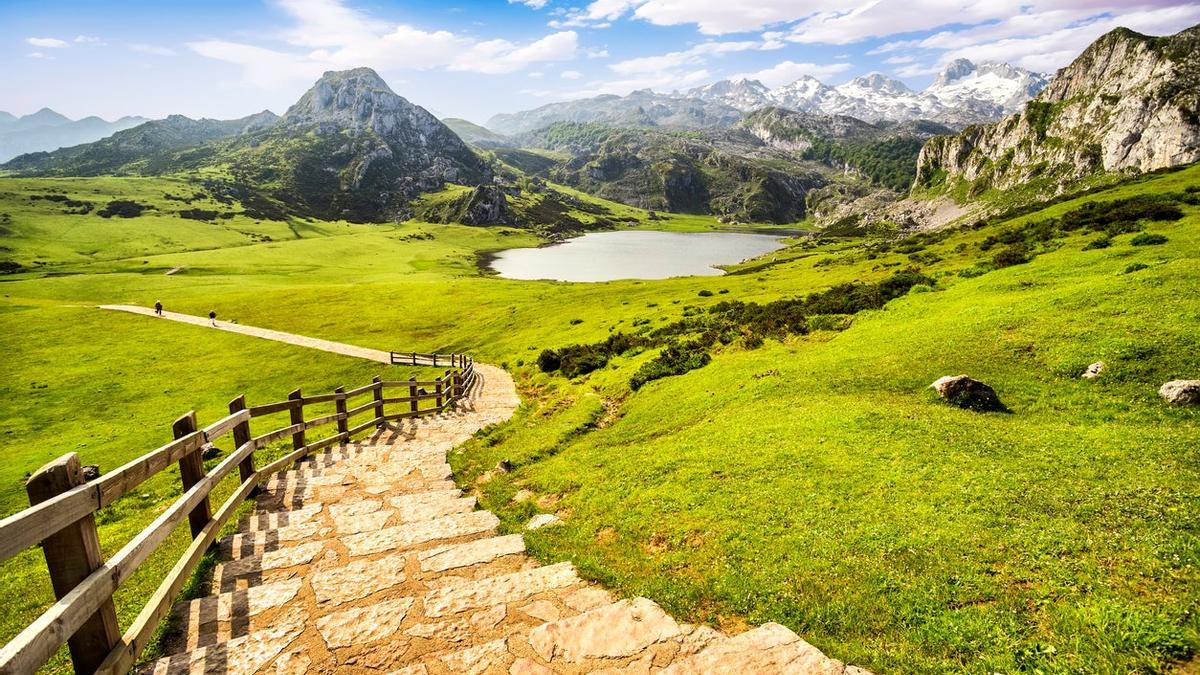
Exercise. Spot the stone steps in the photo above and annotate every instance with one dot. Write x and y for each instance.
(368, 558)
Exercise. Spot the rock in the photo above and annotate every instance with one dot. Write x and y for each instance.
(210, 452)
(470, 553)
(365, 624)
(542, 520)
(91, 472)
(618, 630)
(499, 590)
(1181, 392)
(1093, 371)
(504, 466)
(965, 392)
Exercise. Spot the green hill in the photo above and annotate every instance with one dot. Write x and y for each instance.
(803, 473)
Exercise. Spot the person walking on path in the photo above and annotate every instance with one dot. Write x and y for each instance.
(212, 316)
(158, 307)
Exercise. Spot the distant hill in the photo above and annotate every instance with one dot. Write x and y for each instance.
(642, 109)
(143, 149)
(48, 130)
(475, 134)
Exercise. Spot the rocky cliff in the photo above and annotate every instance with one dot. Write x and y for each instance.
(1128, 103)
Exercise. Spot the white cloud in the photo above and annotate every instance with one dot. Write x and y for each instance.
(532, 4)
(570, 75)
(787, 72)
(36, 55)
(695, 55)
(329, 35)
(668, 80)
(47, 43)
(88, 40)
(153, 50)
(536, 75)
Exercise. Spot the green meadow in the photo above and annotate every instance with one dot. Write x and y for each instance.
(812, 480)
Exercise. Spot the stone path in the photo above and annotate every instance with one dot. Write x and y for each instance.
(264, 333)
(369, 559)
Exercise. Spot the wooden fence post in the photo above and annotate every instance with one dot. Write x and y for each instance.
(458, 385)
(343, 423)
(296, 414)
(241, 436)
(378, 401)
(72, 554)
(413, 403)
(191, 471)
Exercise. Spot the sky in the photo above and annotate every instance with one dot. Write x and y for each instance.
(225, 58)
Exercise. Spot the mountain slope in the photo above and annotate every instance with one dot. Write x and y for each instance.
(730, 173)
(1128, 103)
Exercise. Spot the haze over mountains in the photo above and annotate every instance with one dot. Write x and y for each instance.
(48, 130)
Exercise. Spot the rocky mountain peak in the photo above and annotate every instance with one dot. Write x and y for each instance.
(881, 83)
(357, 100)
(954, 71)
(1129, 102)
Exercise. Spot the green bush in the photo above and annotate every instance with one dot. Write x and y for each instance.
(549, 361)
(676, 359)
(1017, 254)
(1148, 239)
(705, 293)
(920, 288)
(1135, 267)
(1103, 241)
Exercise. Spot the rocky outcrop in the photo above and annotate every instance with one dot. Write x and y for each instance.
(1181, 392)
(968, 393)
(1128, 103)
(486, 205)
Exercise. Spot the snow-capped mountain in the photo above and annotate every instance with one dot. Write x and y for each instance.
(964, 93)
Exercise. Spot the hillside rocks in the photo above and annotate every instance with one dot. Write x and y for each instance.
(1181, 392)
(486, 205)
(967, 393)
(1128, 103)
(1093, 371)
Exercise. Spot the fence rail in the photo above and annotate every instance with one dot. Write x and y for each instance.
(61, 515)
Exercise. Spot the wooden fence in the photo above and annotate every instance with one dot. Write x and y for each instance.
(61, 515)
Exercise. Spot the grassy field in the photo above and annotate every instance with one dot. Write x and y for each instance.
(813, 481)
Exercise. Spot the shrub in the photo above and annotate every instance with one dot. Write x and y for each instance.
(576, 322)
(1148, 239)
(920, 288)
(972, 272)
(548, 361)
(705, 293)
(123, 208)
(1103, 241)
(1017, 254)
(676, 359)
(1136, 267)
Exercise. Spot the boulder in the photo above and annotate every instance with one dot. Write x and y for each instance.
(1093, 371)
(965, 392)
(91, 472)
(1181, 392)
(542, 520)
(210, 452)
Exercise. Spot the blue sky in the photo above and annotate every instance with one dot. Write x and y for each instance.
(227, 59)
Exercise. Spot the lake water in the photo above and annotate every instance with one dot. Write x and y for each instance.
(633, 254)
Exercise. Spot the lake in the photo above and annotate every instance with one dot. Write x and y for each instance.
(633, 254)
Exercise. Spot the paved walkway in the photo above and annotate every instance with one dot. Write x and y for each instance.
(264, 333)
(369, 559)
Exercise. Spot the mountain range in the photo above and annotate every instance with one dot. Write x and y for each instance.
(963, 93)
(351, 148)
(47, 130)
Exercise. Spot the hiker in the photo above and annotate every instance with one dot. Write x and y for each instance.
(212, 316)
(158, 307)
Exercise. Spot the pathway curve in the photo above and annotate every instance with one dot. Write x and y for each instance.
(368, 558)
(264, 333)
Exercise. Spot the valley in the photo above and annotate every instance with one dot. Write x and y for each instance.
(722, 311)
